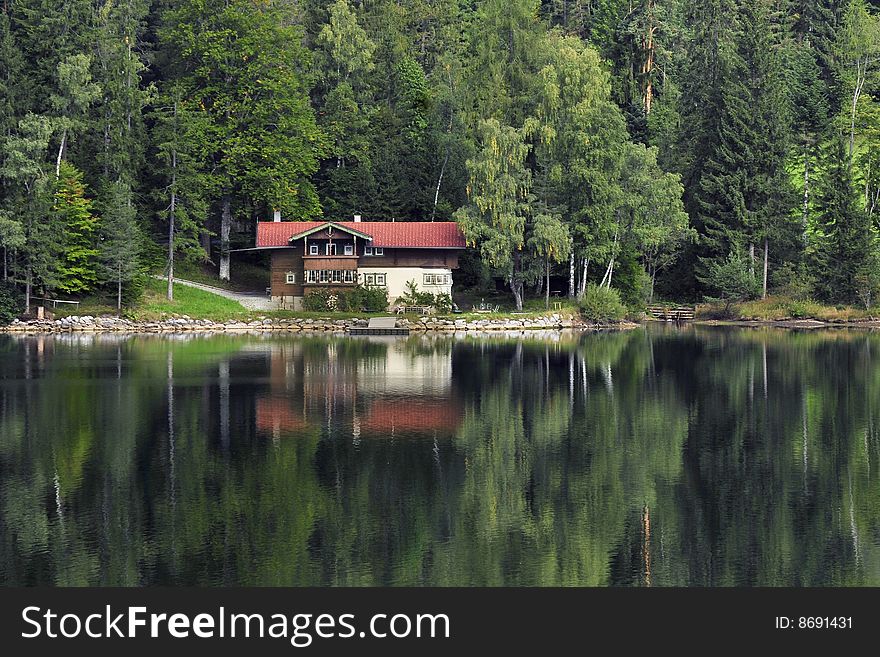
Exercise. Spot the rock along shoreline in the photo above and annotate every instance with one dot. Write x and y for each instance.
(183, 324)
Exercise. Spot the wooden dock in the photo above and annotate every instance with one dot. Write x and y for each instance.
(672, 313)
(380, 326)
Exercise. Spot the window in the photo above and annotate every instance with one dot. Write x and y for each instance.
(368, 250)
(374, 250)
(380, 280)
(337, 276)
(349, 249)
(324, 275)
(349, 276)
(313, 249)
(330, 249)
(290, 278)
(429, 279)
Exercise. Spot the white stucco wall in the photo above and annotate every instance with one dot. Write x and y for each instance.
(397, 277)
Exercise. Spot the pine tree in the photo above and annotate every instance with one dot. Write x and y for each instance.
(745, 194)
(118, 136)
(73, 215)
(120, 239)
(184, 184)
(842, 239)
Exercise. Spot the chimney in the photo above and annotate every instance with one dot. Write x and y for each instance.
(276, 216)
(357, 218)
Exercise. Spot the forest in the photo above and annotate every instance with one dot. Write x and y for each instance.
(675, 149)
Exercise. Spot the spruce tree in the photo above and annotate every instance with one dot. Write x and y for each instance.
(120, 240)
(74, 217)
(842, 239)
(745, 194)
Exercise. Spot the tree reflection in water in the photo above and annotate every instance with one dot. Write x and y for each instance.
(700, 456)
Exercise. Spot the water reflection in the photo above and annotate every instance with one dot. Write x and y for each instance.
(648, 458)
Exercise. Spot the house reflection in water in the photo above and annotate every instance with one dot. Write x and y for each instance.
(376, 387)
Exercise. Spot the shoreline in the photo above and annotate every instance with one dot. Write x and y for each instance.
(184, 324)
(555, 322)
(808, 323)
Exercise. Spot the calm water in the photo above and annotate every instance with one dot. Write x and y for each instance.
(655, 457)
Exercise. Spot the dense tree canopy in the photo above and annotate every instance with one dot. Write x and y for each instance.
(632, 144)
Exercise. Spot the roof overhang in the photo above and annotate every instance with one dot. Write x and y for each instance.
(330, 226)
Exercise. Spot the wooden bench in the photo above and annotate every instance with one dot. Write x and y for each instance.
(673, 313)
(418, 310)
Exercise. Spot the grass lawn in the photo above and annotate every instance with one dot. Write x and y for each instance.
(246, 277)
(777, 308)
(189, 301)
(200, 304)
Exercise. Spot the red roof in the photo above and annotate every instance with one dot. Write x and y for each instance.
(387, 416)
(389, 234)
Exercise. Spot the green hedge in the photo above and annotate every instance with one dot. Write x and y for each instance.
(369, 299)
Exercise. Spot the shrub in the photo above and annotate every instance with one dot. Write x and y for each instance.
(412, 296)
(370, 299)
(731, 278)
(792, 281)
(443, 303)
(602, 304)
(373, 299)
(316, 300)
(11, 305)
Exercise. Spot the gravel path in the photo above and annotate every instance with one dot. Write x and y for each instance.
(250, 300)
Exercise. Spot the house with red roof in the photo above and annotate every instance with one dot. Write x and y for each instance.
(336, 255)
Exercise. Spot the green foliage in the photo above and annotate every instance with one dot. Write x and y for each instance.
(601, 304)
(369, 298)
(74, 216)
(120, 245)
(793, 281)
(414, 297)
(245, 68)
(11, 305)
(442, 303)
(357, 299)
(843, 242)
(316, 300)
(731, 278)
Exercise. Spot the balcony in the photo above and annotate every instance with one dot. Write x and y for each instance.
(318, 262)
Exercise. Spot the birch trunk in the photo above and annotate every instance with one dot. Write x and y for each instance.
(766, 258)
(547, 291)
(172, 210)
(60, 153)
(225, 226)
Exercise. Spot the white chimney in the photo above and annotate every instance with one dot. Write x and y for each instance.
(357, 218)
(276, 216)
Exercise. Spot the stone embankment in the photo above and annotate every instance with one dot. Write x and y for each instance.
(185, 324)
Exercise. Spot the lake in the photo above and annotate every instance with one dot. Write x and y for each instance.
(699, 456)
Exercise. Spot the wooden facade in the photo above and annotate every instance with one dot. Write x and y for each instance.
(338, 257)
